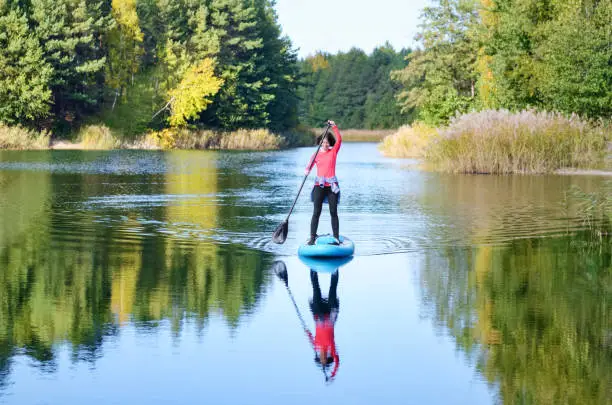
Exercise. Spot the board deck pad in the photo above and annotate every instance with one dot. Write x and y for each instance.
(325, 246)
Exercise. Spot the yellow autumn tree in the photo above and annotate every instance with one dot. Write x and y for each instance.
(192, 95)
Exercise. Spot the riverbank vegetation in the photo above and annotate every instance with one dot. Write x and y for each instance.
(510, 86)
(17, 137)
(99, 137)
(196, 67)
(135, 66)
(410, 141)
(501, 142)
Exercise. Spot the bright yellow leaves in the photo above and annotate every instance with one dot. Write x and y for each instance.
(190, 97)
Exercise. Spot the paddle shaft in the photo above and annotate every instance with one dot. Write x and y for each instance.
(309, 169)
(297, 310)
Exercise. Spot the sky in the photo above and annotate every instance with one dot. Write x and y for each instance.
(339, 25)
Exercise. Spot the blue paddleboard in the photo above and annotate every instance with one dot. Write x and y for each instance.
(326, 264)
(324, 247)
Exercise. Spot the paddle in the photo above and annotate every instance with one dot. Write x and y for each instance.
(280, 270)
(280, 233)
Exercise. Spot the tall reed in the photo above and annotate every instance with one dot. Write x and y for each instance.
(98, 137)
(526, 142)
(182, 138)
(19, 138)
(408, 141)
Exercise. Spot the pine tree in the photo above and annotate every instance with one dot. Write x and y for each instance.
(240, 102)
(72, 32)
(24, 74)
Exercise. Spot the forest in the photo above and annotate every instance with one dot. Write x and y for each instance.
(140, 65)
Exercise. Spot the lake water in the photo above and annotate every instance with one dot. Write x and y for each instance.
(140, 277)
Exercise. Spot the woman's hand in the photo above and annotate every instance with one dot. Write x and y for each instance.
(332, 123)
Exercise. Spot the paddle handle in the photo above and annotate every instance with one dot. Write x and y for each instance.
(309, 169)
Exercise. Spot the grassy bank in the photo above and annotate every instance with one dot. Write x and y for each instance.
(101, 137)
(21, 138)
(501, 142)
(97, 137)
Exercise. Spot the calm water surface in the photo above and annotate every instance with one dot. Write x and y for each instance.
(135, 277)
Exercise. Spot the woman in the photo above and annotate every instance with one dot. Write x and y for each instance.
(326, 188)
(325, 314)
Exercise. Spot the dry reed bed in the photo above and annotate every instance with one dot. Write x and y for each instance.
(502, 142)
(18, 138)
(408, 141)
(98, 137)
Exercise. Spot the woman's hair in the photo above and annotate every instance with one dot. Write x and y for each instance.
(330, 139)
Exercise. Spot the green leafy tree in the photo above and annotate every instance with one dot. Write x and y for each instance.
(124, 46)
(24, 74)
(440, 79)
(574, 60)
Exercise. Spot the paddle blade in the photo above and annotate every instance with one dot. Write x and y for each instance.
(280, 270)
(280, 233)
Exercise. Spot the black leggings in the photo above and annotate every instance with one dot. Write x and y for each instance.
(318, 195)
(318, 305)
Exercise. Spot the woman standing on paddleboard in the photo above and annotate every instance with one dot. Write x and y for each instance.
(326, 188)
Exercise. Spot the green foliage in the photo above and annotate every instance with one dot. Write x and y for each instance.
(575, 61)
(511, 54)
(24, 74)
(76, 61)
(70, 32)
(353, 88)
(440, 79)
(124, 46)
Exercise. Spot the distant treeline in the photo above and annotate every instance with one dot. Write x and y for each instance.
(218, 63)
(353, 88)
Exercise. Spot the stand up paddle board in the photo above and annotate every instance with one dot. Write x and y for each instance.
(325, 246)
(325, 265)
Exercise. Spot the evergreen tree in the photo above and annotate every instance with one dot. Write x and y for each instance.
(241, 101)
(278, 68)
(354, 88)
(72, 32)
(24, 74)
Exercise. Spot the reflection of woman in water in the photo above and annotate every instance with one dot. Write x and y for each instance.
(325, 313)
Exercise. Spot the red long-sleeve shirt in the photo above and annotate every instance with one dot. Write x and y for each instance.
(326, 161)
(324, 339)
